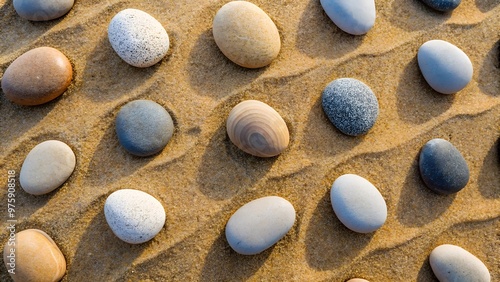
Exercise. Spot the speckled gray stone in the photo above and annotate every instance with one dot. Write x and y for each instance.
(350, 105)
(442, 5)
(354, 17)
(453, 263)
(42, 10)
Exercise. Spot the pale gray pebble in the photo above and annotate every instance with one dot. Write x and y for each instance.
(354, 17)
(42, 10)
(453, 263)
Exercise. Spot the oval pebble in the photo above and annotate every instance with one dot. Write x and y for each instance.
(37, 77)
(34, 257)
(350, 105)
(259, 224)
(144, 127)
(246, 34)
(445, 67)
(138, 38)
(354, 17)
(358, 204)
(442, 167)
(42, 10)
(47, 166)
(443, 5)
(453, 263)
(134, 216)
(357, 280)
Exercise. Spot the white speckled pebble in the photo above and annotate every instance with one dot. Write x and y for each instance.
(134, 216)
(354, 17)
(453, 263)
(47, 166)
(358, 204)
(138, 38)
(259, 224)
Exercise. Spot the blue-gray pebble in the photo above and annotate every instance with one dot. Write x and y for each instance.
(42, 10)
(442, 167)
(442, 5)
(350, 105)
(144, 127)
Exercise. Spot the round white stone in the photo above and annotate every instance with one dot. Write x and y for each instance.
(47, 166)
(452, 263)
(354, 17)
(358, 204)
(134, 216)
(138, 38)
(259, 224)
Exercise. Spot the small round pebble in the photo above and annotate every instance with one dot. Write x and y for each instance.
(144, 127)
(442, 167)
(350, 105)
(47, 166)
(453, 263)
(444, 66)
(246, 34)
(42, 10)
(134, 216)
(357, 280)
(259, 224)
(354, 17)
(358, 204)
(442, 5)
(138, 38)
(37, 76)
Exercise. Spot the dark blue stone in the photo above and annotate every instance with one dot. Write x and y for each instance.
(442, 5)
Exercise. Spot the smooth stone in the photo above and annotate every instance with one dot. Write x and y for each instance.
(445, 67)
(358, 204)
(144, 127)
(259, 224)
(37, 257)
(47, 166)
(350, 105)
(134, 216)
(42, 10)
(354, 17)
(453, 263)
(357, 280)
(138, 38)
(37, 77)
(246, 35)
(443, 5)
(442, 167)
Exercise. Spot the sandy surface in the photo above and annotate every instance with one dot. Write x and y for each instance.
(201, 178)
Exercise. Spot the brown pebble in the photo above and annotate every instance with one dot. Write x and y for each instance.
(37, 76)
(357, 280)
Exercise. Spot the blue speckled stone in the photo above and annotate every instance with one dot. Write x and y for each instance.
(442, 167)
(42, 10)
(442, 5)
(144, 127)
(350, 105)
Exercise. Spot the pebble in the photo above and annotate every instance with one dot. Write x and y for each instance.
(42, 10)
(144, 127)
(47, 166)
(445, 67)
(453, 263)
(37, 76)
(357, 280)
(443, 5)
(134, 216)
(354, 17)
(34, 257)
(259, 224)
(442, 167)
(246, 35)
(350, 105)
(358, 204)
(138, 38)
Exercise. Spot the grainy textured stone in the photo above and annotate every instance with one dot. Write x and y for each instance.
(354, 17)
(42, 10)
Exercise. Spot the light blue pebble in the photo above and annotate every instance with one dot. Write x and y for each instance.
(42, 10)
(354, 17)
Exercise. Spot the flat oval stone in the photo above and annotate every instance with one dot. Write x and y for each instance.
(144, 127)
(134, 216)
(350, 105)
(34, 257)
(442, 167)
(42, 10)
(443, 5)
(47, 166)
(357, 280)
(37, 76)
(452, 263)
(259, 224)
(138, 38)
(444, 66)
(246, 35)
(358, 204)
(354, 17)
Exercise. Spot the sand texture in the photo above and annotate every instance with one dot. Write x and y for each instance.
(201, 178)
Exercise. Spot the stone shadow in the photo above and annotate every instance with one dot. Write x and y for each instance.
(486, 5)
(489, 177)
(425, 273)
(414, 15)
(490, 69)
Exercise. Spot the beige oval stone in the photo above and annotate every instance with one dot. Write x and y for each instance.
(37, 76)
(357, 280)
(246, 34)
(37, 257)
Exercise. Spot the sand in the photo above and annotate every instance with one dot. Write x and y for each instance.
(201, 178)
